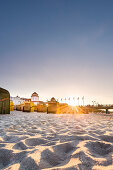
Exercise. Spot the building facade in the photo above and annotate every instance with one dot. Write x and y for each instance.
(35, 98)
(17, 100)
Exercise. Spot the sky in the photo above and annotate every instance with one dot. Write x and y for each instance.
(57, 48)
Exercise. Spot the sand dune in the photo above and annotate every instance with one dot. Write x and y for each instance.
(32, 141)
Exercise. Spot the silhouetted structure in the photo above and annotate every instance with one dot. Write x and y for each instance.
(53, 106)
(4, 101)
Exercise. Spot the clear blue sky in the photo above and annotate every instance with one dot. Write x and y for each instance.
(57, 48)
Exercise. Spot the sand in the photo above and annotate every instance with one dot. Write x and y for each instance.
(32, 141)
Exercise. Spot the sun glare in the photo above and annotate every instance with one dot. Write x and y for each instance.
(72, 103)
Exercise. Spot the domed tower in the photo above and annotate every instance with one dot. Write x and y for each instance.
(35, 98)
(53, 99)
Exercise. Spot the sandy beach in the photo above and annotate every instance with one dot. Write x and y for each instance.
(31, 141)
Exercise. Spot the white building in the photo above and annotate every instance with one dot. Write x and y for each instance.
(17, 100)
(35, 98)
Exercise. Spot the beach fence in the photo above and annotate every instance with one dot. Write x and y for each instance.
(4, 101)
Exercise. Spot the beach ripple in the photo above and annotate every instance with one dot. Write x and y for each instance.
(32, 141)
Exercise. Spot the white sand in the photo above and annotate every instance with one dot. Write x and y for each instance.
(31, 141)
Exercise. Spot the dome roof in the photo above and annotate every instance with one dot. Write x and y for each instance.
(34, 95)
(53, 99)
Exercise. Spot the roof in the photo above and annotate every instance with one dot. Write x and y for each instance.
(3, 90)
(34, 95)
(53, 99)
(4, 94)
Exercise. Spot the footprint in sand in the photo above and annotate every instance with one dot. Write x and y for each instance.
(28, 164)
(20, 146)
(11, 139)
(86, 161)
(107, 138)
(64, 148)
(51, 158)
(5, 157)
(35, 141)
(99, 148)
